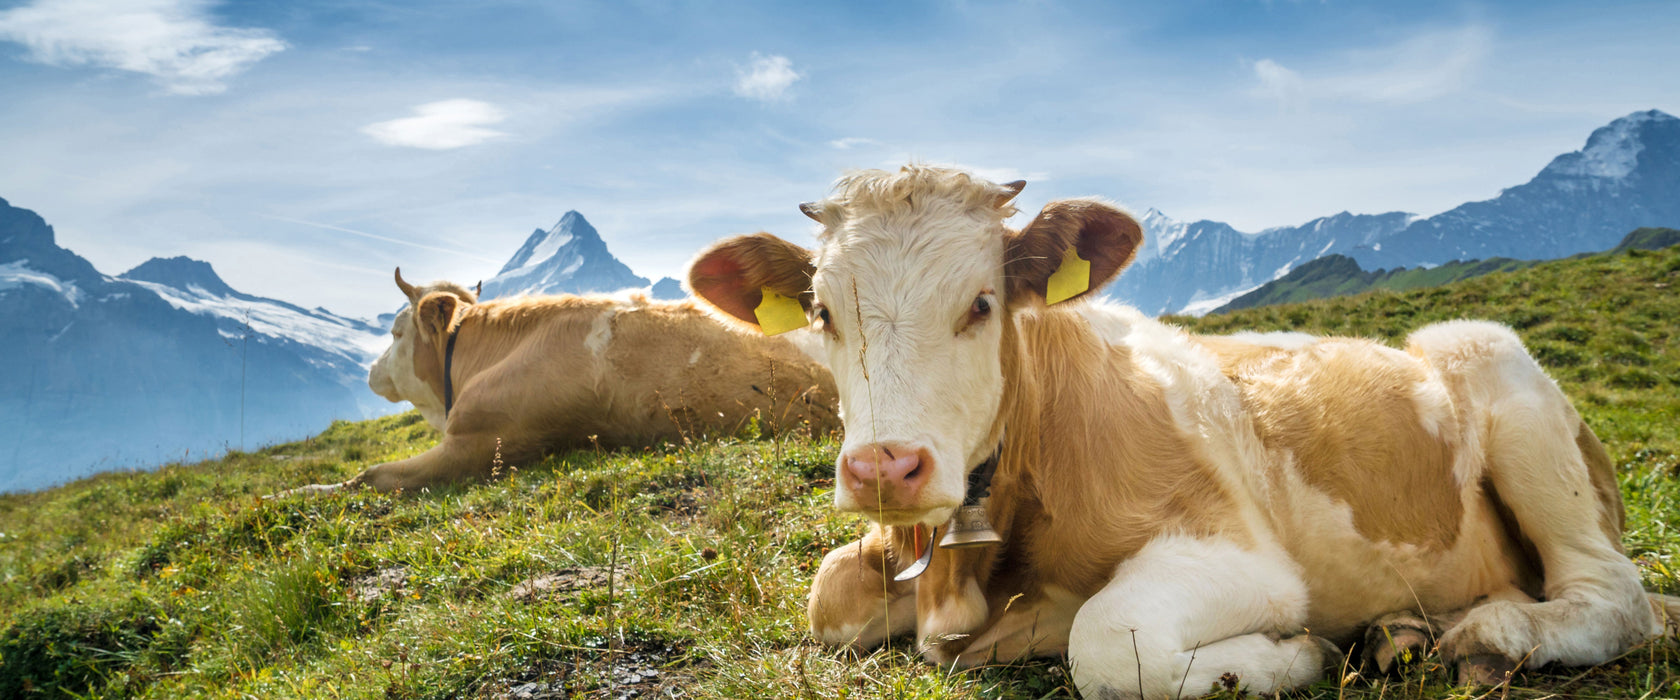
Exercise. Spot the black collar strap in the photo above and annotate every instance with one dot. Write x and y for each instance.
(448, 374)
(980, 480)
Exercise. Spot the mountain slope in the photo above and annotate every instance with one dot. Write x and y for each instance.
(1625, 177)
(107, 372)
(1339, 275)
(1200, 265)
(346, 345)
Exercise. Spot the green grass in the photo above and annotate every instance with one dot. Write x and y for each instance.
(184, 583)
(1339, 275)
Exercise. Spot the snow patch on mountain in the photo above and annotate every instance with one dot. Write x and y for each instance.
(1201, 307)
(1611, 152)
(353, 341)
(17, 273)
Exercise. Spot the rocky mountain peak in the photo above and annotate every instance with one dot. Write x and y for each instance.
(21, 229)
(1614, 150)
(181, 273)
(570, 257)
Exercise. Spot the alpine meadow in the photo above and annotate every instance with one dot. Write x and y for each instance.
(928, 350)
(681, 571)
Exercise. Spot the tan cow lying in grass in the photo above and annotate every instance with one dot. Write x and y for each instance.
(540, 374)
(1174, 508)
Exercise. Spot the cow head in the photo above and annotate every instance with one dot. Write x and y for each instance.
(914, 285)
(412, 368)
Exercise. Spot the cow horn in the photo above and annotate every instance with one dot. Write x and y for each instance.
(813, 210)
(407, 289)
(1011, 190)
(479, 290)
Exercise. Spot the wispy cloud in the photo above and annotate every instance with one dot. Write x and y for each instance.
(387, 239)
(440, 125)
(851, 142)
(1419, 69)
(173, 41)
(767, 79)
(1279, 83)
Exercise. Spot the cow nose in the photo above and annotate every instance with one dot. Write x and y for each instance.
(890, 473)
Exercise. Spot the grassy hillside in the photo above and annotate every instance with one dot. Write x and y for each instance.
(1339, 275)
(672, 572)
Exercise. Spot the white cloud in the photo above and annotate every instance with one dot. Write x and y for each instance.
(1279, 83)
(440, 125)
(1422, 68)
(173, 41)
(851, 142)
(1419, 69)
(767, 79)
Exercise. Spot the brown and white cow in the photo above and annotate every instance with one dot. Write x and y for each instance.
(540, 374)
(1173, 508)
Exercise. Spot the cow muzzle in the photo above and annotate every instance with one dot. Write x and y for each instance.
(886, 482)
(379, 380)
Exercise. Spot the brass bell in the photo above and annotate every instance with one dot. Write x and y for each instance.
(970, 527)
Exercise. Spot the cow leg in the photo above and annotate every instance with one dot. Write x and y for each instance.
(1185, 614)
(1396, 640)
(456, 458)
(854, 602)
(1544, 464)
(1028, 628)
(1594, 605)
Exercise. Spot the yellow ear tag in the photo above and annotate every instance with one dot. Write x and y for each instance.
(1071, 279)
(778, 314)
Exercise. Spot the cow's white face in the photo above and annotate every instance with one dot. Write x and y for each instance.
(909, 303)
(393, 376)
(911, 287)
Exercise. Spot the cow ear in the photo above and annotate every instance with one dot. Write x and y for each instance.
(733, 274)
(1070, 249)
(435, 313)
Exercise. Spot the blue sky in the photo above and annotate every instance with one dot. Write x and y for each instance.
(306, 148)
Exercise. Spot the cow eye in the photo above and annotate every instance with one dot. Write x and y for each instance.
(822, 318)
(978, 311)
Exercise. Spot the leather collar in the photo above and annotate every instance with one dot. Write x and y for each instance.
(448, 374)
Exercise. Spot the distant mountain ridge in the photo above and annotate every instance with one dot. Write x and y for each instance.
(109, 372)
(1339, 275)
(1198, 265)
(1627, 176)
(158, 357)
(569, 258)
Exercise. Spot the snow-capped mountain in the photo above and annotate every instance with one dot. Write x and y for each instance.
(1195, 267)
(157, 364)
(569, 258)
(346, 346)
(1626, 177)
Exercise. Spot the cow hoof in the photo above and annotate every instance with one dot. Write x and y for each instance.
(1332, 659)
(1485, 669)
(1390, 646)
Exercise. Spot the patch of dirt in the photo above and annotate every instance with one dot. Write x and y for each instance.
(567, 582)
(642, 669)
(377, 585)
